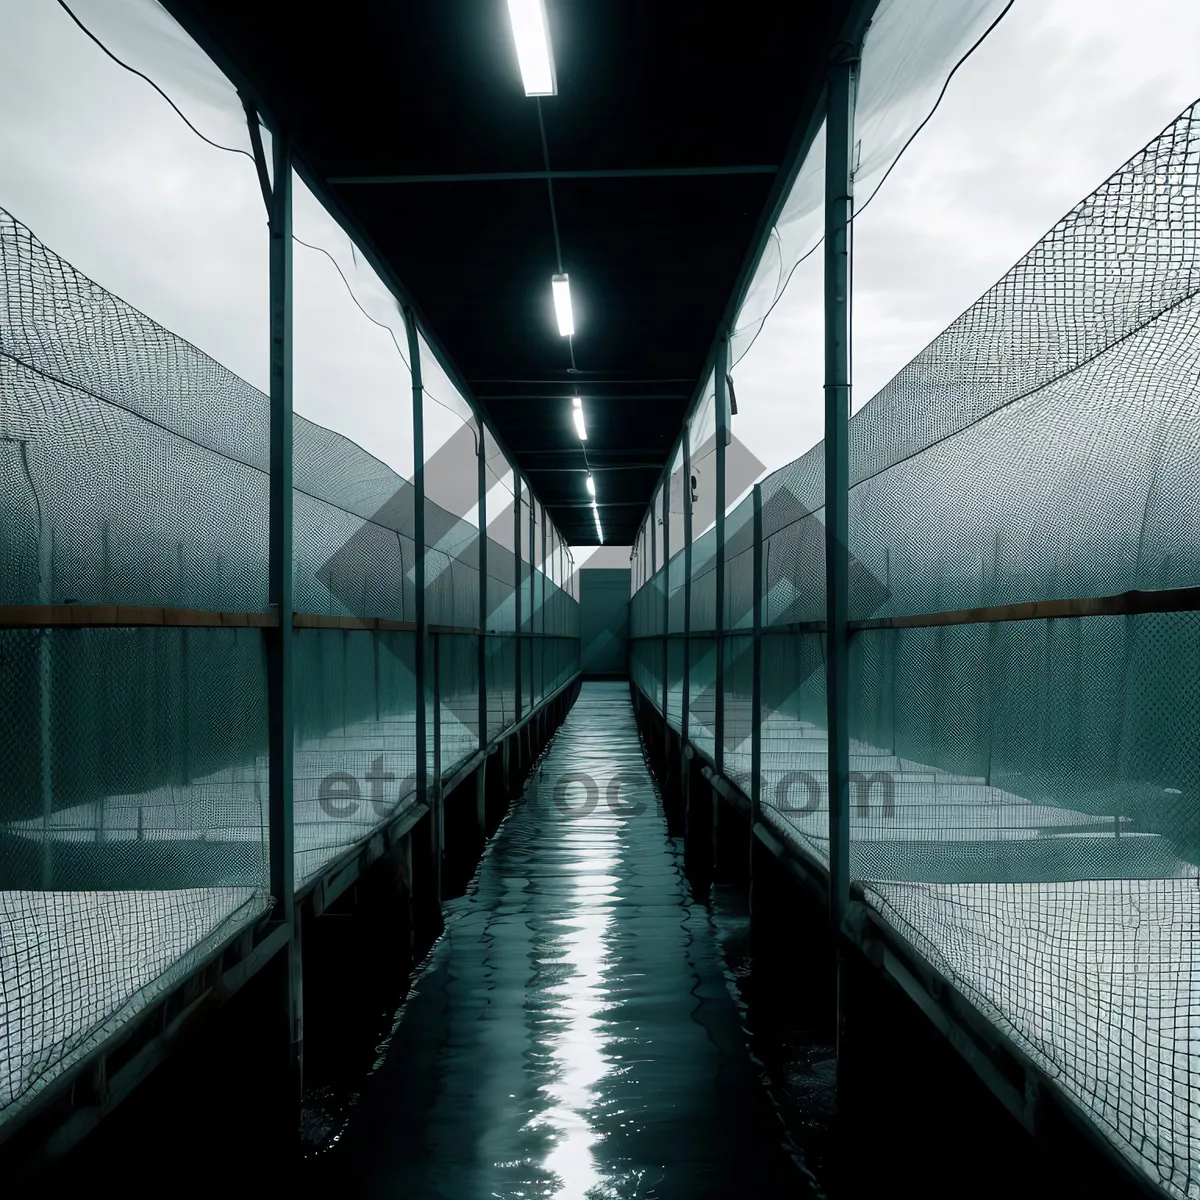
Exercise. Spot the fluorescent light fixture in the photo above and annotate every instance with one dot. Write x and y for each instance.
(562, 305)
(577, 414)
(532, 37)
(591, 486)
(599, 531)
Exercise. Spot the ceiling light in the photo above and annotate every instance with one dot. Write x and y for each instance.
(591, 486)
(532, 37)
(599, 531)
(577, 414)
(562, 305)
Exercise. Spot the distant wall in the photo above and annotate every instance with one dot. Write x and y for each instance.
(604, 620)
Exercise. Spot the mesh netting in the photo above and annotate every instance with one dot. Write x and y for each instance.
(133, 823)
(1025, 794)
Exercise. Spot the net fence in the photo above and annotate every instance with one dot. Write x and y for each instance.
(133, 815)
(1025, 791)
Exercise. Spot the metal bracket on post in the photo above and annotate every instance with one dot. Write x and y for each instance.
(279, 638)
(422, 618)
(839, 210)
(721, 371)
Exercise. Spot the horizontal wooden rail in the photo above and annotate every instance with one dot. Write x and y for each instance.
(82, 616)
(1124, 604)
(376, 624)
(133, 616)
(1164, 600)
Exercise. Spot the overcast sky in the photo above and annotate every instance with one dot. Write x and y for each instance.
(1060, 95)
(95, 163)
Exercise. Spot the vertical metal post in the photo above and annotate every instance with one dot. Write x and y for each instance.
(435, 642)
(517, 589)
(721, 370)
(481, 482)
(839, 207)
(279, 639)
(666, 586)
(687, 584)
(653, 544)
(45, 675)
(756, 658)
(422, 618)
(542, 643)
(532, 609)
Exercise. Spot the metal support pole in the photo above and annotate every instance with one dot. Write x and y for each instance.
(435, 647)
(756, 659)
(687, 585)
(666, 586)
(533, 580)
(481, 481)
(839, 208)
(542, 644)
(517, 589)
(422, 619)
(721, 370)
(279, 640)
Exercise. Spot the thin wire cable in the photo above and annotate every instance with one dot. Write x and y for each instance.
(875, 192)
(390, 331)
(236, 150)
(146, 78)
(553, 213)
(558, 259)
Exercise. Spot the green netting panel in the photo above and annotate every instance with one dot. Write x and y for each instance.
(168, 506)
(1024, 794)
(355, 701)
(527, 680)
(736, 699)
(739, 566)
(137, 765)
(703, 612)
(676, 649)
(451, 570)
(458, 689)
(793, 552)
(1030, 751)
(795, 761)
(135, 758)
(526, 576)
(501, 559)
(501, 665)
(1096, 981)
(641, 674)
(676, 577)
(702, 693)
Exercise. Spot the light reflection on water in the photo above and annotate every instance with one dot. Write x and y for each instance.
(579, 1051)
(571, 1034)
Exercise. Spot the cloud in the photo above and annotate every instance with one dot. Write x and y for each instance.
(1057, 98)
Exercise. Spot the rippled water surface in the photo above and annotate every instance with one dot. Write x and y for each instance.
(572, 1034)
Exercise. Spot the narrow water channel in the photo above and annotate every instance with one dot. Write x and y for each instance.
(574, 1033)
